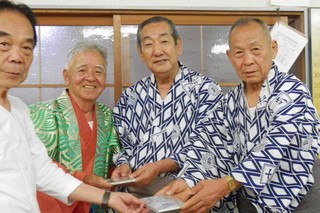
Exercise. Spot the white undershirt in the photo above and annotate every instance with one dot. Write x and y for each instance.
(252, 111)
(90, 124)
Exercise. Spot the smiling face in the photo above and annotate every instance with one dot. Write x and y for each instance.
(159, 51)
(251, 53)
(16, 49)
(86, 76)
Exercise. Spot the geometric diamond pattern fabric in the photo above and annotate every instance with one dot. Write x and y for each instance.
(271, 153)
(152, 129)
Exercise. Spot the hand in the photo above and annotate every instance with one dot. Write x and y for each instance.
(123, 170)
(178, 189)
(145, 174)
(205, 195)
(124, 202)
(96, 181)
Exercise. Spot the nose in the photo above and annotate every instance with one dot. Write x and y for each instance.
(90, 75)
(248, 58)
(15, 55)
(157, 48)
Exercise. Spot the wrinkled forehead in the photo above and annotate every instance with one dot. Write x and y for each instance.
(250, 29)
(15, 25)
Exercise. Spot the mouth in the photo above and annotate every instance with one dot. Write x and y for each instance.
(89, 87)
(161, 61)
(249, 72)
(14, 73)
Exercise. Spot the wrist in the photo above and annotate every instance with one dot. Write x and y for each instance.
(231, 183)
(105, 200)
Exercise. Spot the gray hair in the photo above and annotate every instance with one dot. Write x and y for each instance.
(246, 20)
(157, 19)
(83, 46)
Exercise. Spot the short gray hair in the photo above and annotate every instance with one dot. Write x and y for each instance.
(83, 46)
(158, 19)
(246, 20)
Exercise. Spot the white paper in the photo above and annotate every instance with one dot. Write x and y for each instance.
(290, 44)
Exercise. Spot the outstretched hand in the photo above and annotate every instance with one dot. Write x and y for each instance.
(145, 174)
(126, 203)
(96, 181)
(205, 195)
(178, 189)
(121, 171)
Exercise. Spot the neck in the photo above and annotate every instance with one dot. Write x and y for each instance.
(86, 107)
(164, 83)
(252, 94)
(4, 102)
(87, 110)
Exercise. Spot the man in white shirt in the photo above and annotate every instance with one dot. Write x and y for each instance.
(25, 165)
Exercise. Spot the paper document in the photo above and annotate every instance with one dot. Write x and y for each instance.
(290, 44)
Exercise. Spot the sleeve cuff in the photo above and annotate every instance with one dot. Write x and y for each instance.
(79, 175)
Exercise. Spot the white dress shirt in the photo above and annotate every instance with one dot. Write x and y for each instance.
(24, 164)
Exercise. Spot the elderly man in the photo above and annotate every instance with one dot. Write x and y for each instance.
(271, 135)
(25, 165)
(76, 122)
(156, 116)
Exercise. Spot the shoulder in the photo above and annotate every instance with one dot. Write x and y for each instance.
(291, 84)
(196, 77)
(104, 108)
(42, 105)
(17, 103)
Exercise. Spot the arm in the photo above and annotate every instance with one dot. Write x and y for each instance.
(148, 172)
(205, 95)
(54, 181)
(208, 165)
(120, 124)
(288, 139)
(121, 202)
(209, 192)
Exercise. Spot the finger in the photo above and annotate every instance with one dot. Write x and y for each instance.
(192, 201)
(105, 184)
(197, 188)
(115, 174)
(125, 170)
(136, 173)
(162, 191)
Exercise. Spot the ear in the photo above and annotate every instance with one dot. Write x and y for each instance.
(274, 47)
(66, 77)
(139, 49)
(228, 54)
(179, 46)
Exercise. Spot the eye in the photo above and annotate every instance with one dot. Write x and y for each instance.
(4, 45)
(27, 48)
(147, 44)
(238, 53)
(256, 50)
(100, 72)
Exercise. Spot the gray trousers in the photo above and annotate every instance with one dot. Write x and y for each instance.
(311, 202)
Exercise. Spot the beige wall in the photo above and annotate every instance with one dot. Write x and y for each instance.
(157, 4)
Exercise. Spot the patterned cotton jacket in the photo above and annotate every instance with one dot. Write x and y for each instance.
(152, 129)
(272, 153)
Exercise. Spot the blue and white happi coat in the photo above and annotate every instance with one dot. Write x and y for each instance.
(271, 153)
(152, 129)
